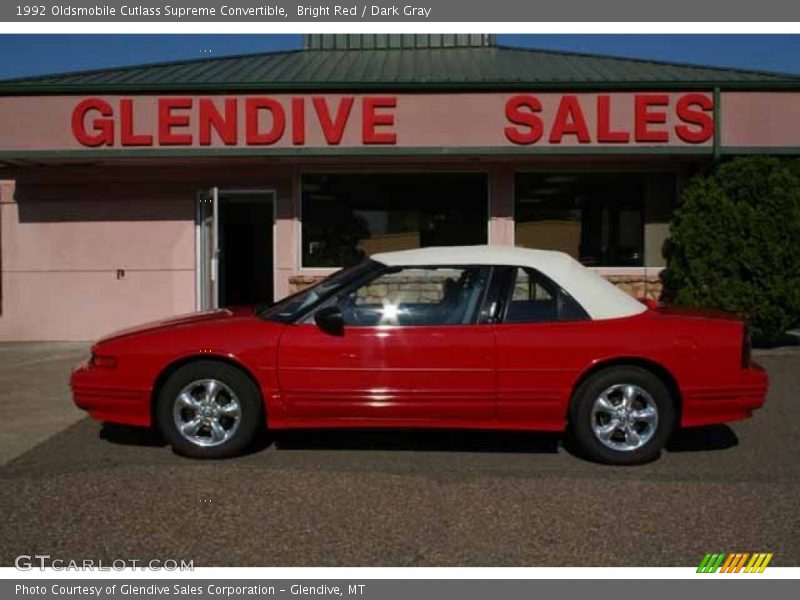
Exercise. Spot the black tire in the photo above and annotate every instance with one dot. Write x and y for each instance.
(582, 418)
(251, 409)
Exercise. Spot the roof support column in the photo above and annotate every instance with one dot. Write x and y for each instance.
(501, 205)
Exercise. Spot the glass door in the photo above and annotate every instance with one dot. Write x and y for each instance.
(207, 249)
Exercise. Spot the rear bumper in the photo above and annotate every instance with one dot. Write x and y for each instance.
(710, 406)
(94, 392)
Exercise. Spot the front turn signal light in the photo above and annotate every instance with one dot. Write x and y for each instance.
(104, 362)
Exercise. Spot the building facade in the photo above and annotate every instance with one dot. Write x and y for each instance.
(138, 193)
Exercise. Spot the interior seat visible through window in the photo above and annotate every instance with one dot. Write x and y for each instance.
(535, 298)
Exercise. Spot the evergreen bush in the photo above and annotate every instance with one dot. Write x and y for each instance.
(735, 244)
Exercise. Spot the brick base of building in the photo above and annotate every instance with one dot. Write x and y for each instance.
(638, 286)
(301, 282)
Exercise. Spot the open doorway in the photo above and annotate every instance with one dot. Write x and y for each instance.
(236, 247)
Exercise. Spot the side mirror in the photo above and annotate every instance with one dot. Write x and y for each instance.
(330, 320)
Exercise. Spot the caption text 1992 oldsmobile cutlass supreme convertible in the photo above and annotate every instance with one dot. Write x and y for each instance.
(460, 337)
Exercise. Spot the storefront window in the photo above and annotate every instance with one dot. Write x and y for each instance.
(597, 218)
(347, 216)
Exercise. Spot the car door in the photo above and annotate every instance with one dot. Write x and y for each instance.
(411, 350)
(543, 340)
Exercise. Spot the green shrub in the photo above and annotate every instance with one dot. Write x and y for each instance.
(735, 244)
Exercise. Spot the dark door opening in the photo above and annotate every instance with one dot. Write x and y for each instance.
(245, 248)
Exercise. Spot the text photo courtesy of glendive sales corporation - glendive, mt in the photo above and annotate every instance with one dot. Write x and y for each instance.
(363, 313)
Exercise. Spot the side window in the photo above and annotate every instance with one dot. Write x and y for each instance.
(413, 296)
(536, 299)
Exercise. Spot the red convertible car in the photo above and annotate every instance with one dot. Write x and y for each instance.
(460, 337)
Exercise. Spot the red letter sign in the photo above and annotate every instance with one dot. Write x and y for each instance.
(370, 119)
(604, 133)
(703, 122)
(298, 121)
(127, 136)
(569, 120)
(645, 117)
(167, 120)
(333, 128)
(104, 128)
(525, 119)
(210, 118)
(256, 137)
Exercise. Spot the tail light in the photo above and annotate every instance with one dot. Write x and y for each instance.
(745, 346)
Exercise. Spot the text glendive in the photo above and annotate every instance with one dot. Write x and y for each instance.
(522, 119)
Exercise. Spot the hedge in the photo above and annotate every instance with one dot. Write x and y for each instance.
(735, 244)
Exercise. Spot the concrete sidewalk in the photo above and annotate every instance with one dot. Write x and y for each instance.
(35, 401)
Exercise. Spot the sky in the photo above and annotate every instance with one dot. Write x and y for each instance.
(40, 54)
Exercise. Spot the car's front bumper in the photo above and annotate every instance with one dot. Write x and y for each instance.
(96, 390)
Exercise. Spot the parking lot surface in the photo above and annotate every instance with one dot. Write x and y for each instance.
(396, 498)
(34, 403)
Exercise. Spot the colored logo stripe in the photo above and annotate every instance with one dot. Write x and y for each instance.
(758, 563)
(711, 563)
(735, 562)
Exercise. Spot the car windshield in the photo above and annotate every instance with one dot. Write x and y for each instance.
(289, 308)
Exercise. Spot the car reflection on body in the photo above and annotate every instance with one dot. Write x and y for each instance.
(452, 337)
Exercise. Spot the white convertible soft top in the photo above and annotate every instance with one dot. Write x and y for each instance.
(600, 298)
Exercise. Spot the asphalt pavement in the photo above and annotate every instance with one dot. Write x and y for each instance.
(34, 399)
(399, 498)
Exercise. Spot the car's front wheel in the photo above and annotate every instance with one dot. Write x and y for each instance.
(209, 409)
(622, 415)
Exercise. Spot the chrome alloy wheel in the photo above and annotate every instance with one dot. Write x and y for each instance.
(624, 417)
(207, 412)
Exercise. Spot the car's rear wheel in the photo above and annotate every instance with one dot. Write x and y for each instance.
(209, 409)
(622, 415)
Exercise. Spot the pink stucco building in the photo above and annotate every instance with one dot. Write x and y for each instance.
(137, 193)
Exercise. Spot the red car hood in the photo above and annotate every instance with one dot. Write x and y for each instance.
(188, 319)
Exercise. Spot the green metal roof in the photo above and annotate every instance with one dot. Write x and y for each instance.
(417, 69)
